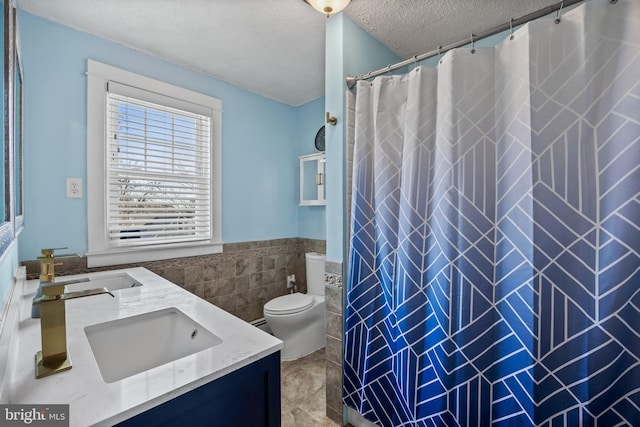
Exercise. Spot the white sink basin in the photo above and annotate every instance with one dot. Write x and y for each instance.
(113, 282)
(128, 346)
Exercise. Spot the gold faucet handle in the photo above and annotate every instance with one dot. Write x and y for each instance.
(47, 269)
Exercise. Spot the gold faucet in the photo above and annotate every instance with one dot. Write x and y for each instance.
(54, 357)
(47, 272)
(47, 263)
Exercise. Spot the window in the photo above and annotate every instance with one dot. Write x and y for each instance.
(153, 169)
(158, 177)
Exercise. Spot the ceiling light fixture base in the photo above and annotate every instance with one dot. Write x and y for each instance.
(328, 7)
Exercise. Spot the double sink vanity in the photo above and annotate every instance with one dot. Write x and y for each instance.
(152, 354)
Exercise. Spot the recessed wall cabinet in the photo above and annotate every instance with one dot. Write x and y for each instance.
(312, 180)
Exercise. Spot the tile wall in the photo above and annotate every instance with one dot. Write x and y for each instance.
(333, 349)
(239, 280)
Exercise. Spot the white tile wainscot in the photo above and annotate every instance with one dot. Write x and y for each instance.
(91, 400)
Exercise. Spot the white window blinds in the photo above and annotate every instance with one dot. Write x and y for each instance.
(158, 169)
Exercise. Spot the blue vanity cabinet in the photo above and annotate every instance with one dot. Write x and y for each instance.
(249, 396)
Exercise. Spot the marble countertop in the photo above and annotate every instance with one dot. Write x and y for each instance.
(94, 402)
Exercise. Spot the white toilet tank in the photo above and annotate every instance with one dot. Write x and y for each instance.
(315, 272)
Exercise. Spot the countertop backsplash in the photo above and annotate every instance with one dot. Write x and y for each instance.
(239, 280)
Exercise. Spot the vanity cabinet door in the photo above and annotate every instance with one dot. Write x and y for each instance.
(249, 396)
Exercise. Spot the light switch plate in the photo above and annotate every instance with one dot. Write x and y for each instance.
(74, 188)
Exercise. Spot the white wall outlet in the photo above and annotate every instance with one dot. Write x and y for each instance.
(74, 188)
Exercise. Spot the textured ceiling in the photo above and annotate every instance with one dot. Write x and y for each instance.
(273, 47)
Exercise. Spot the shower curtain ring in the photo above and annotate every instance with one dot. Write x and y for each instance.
(473, 44)
(368, 76)
(511, 28)
(389, 70)
(440, 54)
(558, 17)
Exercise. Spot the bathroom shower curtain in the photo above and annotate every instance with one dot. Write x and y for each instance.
(494, 262)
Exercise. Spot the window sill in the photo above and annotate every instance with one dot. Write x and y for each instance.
(141, 254)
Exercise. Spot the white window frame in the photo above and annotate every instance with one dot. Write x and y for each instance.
(100, 251)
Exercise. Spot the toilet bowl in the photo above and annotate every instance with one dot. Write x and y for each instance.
(298, 319)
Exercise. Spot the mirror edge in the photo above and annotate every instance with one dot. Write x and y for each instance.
(7, 227)
(18, 134)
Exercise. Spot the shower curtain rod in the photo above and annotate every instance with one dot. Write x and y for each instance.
(351, 81)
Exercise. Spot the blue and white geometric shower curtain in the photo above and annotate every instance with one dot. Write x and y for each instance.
(494, 266)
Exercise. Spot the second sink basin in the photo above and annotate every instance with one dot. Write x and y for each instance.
(113, 282)
(135, 344)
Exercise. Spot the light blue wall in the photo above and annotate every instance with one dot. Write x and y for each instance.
(311, 219)
(334, 136)
(260, 140)
(350, 50)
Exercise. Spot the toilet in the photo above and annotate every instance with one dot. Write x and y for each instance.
(298, 319)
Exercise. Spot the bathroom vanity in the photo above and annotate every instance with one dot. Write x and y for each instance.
(131, 367)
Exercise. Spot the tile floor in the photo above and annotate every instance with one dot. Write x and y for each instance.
(303, 392)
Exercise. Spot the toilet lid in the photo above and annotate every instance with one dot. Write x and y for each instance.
(289, 304)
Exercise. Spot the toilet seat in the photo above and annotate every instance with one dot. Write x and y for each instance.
(289, 304)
